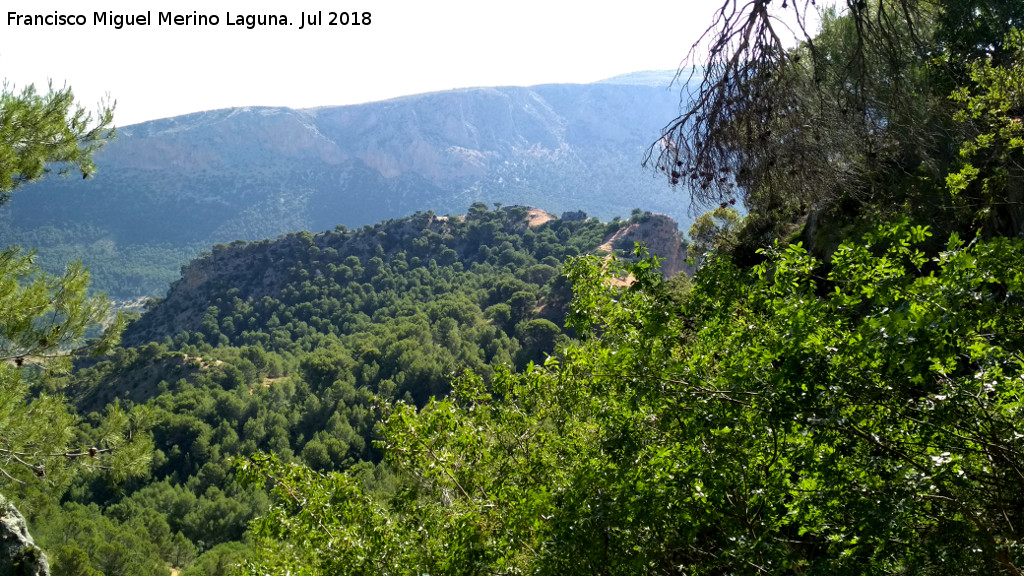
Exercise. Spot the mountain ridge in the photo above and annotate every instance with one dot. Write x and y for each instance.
(177, 185)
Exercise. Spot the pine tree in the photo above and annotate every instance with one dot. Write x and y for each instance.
(44, 319)
(41, 133)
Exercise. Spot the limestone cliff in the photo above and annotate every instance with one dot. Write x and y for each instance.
(19, 555)
(662, 237)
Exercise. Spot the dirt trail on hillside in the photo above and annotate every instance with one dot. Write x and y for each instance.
(607, 247)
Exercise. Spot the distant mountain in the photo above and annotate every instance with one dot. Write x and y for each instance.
(654, 78)
(169, 188)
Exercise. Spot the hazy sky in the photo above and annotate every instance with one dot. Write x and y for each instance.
(410, 46)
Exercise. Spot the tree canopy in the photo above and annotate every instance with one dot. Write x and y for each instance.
(400, 399)
(864, 421)
(838, 118)
(848, 413)
(45, 319)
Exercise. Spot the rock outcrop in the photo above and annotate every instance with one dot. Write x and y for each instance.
(19, 555)
(661, 235)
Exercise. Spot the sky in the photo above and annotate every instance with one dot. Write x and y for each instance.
(409, 47)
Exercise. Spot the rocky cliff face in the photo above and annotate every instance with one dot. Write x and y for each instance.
(661, 235)
(19, 556)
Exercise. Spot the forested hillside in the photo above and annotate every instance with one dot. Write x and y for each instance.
(295, 345)
(840, 391)
(836, 390)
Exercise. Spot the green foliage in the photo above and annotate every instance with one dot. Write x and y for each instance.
(714, 231)
(344, 522)
(42, 318)
(87, 543)
(122, 270)
(164, 210)
(851, 419)
(221, 560)
(42, 131)
(976, 30)
(43, 321)
(396, 308)
(400, 399)
(44, 314)
(991, 177)
(854, 123)
(301, 361)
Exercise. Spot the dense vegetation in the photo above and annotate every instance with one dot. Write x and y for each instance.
(860, 417)
(294, 346)
(850, 407)
(830, 395)
(127, 272)
(862, 121)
